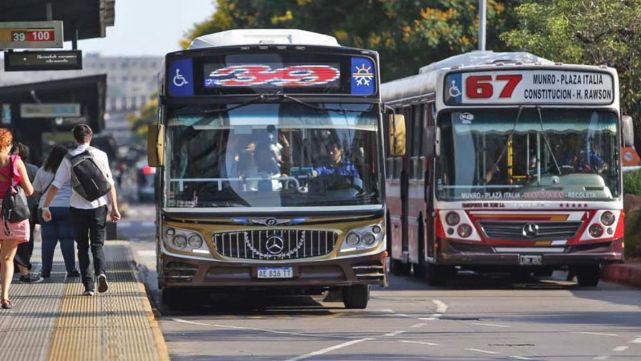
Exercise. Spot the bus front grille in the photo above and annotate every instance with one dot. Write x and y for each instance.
(279, 244)
(529, 231)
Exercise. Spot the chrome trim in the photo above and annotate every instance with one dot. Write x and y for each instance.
(529, 249)
(213, 210)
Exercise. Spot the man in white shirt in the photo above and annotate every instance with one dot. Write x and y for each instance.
(88, 218)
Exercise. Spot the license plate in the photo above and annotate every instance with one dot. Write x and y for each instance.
(275, 272)
(530, 260)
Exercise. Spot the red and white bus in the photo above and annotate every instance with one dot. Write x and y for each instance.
(512, 162)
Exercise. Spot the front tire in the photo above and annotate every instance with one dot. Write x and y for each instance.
(588, 276)
(356, 297)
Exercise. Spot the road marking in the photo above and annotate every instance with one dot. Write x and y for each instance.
(395, 333)
(490, 325)
(636, 340)
(420, 342)
(521, 358)
(385, 310)
(604, 357)
(329, 349)
(190, 322)
(418, 325)
(598, 333)
(435, 316)
(483, 351)
(620, 348)
(441, 307)
(401, 315)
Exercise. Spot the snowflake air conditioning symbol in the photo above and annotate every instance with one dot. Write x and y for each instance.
(363, 75)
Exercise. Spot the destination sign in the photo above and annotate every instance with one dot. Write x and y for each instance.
(43, 60)
(272, 75)
(31, 34)
(545, 86)
(49, 110)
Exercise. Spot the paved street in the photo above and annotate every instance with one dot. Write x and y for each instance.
(473, 318)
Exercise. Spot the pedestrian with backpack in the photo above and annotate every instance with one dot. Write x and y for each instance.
(87, 168)
(14, 187)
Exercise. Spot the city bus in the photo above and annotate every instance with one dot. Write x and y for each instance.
(513, 164)
(269, 169)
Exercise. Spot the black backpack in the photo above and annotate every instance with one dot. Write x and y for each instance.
(14, 203)
(87, 179)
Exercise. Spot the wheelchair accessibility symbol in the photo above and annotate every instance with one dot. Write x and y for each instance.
(454, 91)
(179, 80)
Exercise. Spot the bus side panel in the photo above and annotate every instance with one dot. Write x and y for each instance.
(394, 206)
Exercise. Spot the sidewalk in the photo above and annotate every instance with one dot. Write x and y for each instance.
(628, 273)
(53, 321)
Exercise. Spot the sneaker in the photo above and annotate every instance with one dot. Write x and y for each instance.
(30, 279)
(73, 274)
(89, 293)
(103, 286)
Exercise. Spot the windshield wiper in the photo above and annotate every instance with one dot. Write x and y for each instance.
(547, 142)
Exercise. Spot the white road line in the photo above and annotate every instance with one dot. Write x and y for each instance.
(483, 351)
(521, 358)
(385, 310)
(604, 357)
(147, 253)
(441, 307)
(395, 333)
(636, 340)
(435, 316)
(620, 348)
(490, 325)
(418, 325)
(598, 333)
(420, 342)
(190, 322)
(401, 315)
(329, 349)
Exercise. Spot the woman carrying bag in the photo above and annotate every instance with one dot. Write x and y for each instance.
(13, 174)
(59, 228)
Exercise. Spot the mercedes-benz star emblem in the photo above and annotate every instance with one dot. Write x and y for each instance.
(275, 245)
(271, 222)
(530, 230)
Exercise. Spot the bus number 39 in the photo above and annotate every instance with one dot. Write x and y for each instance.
(481, 86)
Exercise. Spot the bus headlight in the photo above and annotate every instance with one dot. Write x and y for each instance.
(180, 241)
(608, 218)
(195, 241)
(363, 238)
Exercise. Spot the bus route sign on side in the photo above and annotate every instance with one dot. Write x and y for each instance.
(31, 34)
(43, 60)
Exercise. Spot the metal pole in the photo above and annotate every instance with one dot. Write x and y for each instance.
(482, 22)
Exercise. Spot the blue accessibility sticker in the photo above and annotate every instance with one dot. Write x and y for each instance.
(363, 78)
(180, 78)
(453, 89)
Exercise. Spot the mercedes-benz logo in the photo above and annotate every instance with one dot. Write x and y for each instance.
(271, 222)
(530, 230)
(275, 245)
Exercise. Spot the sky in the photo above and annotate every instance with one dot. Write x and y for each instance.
(148, 27)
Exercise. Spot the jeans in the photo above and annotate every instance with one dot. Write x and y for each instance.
(58, 229)
(89, 225)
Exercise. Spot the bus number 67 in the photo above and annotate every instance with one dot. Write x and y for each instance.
(481, 86)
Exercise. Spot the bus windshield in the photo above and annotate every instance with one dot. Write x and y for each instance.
(285, 154)
(528, 154)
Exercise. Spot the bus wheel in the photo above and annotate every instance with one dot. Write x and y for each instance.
(399, 268)
(437, 275)
(176, 299)
(588, 276)
(356, 296)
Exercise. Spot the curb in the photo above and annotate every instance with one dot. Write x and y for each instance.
(623, 273)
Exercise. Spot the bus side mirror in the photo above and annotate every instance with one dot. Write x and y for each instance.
(430, 141)
(396, 126)
(437, 142)
(155, 145)
(627, 131)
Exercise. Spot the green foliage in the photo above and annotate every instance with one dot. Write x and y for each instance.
(146, 116)
(633, 234)
(632, 183)
(587, 32)
(407, 34)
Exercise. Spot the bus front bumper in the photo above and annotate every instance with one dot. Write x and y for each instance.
(185, 272)
(462, 254)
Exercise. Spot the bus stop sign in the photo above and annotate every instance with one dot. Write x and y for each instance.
(31, 34)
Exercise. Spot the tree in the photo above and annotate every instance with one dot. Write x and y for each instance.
(146, 116)
(587, 32)
(407, 34)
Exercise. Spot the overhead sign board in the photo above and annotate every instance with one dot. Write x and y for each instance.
(49, 110)
(43, 60)
(31, 34)
(528, 86)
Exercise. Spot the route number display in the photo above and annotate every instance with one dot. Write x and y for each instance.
(31, 34)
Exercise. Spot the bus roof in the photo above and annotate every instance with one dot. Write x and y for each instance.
(262, 36)
(485, 58)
